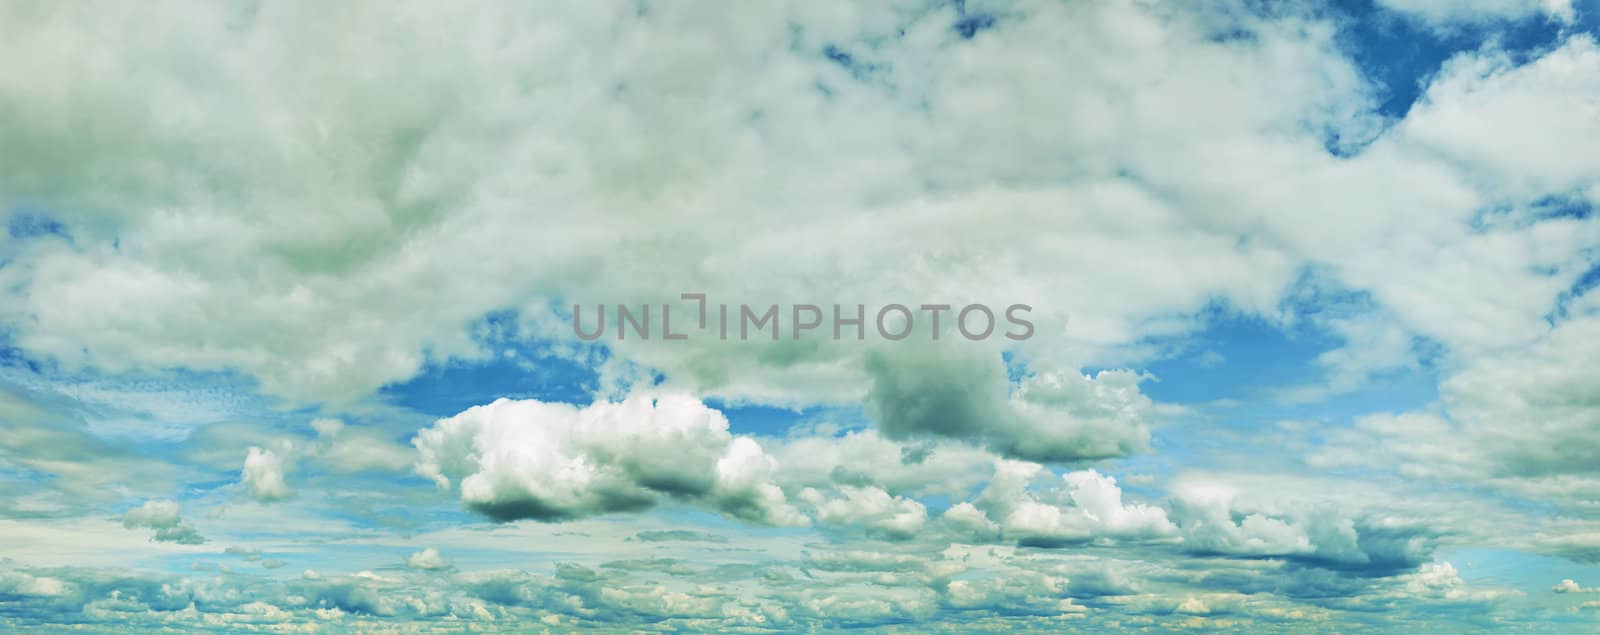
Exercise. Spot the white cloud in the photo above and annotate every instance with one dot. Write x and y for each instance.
(550, 461)
(1441, 581)
(1096, 511)
(162, 516)
(432, 152)
(1520, 130)
(1025, 504)
(1568, 586)
(1453, 12)
(32, 586)
(817, 458)
(876, 509)
(1193, 606)
(970, 519)
(428, 560)
(1049, 416)
(1208, 516)
(1522, 419)
(262, 475)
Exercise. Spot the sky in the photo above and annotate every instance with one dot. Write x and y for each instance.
(291, 297)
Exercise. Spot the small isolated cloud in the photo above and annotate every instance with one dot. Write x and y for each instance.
(263, 475)
(429, 560)
(1569, 586)
(164, 517)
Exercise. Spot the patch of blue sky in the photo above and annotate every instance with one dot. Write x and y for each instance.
(1233, 379)
(1531, 573)
(522, 366)
(446, 388)
(1566, 206)
(27, 221)
(1235, 356)
(13, 357)
(759, 420)
(1248, 365)
(1399, 53)
(1585, 284)
(516, 366)
(779, 421)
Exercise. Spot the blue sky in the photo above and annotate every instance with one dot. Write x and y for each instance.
(286, 327)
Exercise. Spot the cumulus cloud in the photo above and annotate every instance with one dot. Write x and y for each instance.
(550, 461)
(823, 459)
(428, 560)
(1441, 581)
(1307, 523)
(162, 516)
(1568, 586)
(29, 586)
(1023, 502)
(262, 475)
(1049, 416)
(872, 507)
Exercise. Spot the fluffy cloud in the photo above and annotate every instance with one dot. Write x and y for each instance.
(428, 560)
(821, 459)
(1542, 112)
(549, 461)
(262, 475)
(872, 507)
(1192, 606)
(1047, 417)
(29, 586)
(1308, 523)
(432, 151)
(1523, 420)
(1568, 586)
(162, 516)
(1022, 504)
(1441, 581)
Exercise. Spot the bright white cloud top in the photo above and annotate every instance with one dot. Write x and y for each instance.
(286, 340)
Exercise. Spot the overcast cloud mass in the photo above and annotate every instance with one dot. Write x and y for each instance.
(286, 331)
